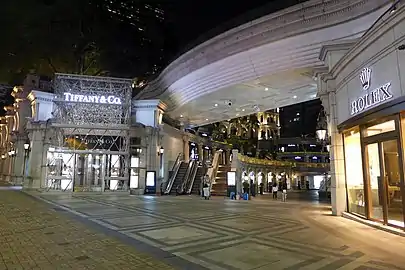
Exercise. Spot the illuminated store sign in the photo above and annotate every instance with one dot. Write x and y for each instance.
(373, 97)
(92, 99)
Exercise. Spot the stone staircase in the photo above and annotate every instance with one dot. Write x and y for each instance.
(219, 188)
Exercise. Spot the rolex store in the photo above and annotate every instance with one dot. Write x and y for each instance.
(367, 107)
(374, 170)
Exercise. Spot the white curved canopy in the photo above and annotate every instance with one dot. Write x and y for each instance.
(264, 64)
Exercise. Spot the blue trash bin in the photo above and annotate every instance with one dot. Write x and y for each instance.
(246, 196)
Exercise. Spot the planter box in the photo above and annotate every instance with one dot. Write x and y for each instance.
(137, 191)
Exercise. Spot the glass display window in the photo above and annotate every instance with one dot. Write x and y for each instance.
(354, 172)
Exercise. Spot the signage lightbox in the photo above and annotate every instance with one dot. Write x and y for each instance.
(231, 178)
(371, 98)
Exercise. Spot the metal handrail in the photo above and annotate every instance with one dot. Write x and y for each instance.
(176, 167)
(177, 160)
(186, 177)
(212, 172)
(192, 179)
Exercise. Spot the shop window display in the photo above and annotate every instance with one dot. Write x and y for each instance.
(354, 173)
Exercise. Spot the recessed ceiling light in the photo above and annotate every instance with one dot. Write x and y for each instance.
(294, 96)
(266, 89)
(181, 115)
(243, 110)
(206, 119)
(216, 105)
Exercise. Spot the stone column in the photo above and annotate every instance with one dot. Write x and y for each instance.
(17, 174)
(186, 148)
(337, 170)
(236, 166)
(37, 158)
(152, 157)
(200, 151)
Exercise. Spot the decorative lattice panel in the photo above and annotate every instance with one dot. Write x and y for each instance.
(88, 100)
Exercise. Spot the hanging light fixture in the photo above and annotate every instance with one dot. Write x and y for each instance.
(321, 126)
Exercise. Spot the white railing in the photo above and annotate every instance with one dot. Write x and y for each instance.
(212, 171)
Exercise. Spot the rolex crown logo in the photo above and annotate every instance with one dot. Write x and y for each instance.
(365, 78)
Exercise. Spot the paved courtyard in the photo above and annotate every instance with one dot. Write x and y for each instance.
(118, 231)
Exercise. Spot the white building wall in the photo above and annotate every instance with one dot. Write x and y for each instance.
(172, 142)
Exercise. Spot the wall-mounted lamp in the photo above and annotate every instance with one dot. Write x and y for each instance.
(3, 156)
(27, 146)
(161, 151)
(393, 9)
(11, 153)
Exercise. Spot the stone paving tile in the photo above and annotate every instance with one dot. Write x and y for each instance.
(259, 234)
(34, 236)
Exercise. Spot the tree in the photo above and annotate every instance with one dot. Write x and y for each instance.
(49, 36)
(75, 36)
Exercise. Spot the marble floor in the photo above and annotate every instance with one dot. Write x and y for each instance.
(223, 234)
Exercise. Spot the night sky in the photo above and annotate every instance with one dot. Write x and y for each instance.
(103, 37)
(197, 21)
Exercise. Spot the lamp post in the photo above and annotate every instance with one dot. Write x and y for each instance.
(322, 129)
(322, 134)
(26, 153)
(160, 154)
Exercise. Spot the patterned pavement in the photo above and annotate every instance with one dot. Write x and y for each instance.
(220, 234)
(35, 236)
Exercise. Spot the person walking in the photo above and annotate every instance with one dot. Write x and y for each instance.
(284, 190)
(206, 191)
(274, 190)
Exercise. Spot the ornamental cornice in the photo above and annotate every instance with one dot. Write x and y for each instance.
(303, 18)
(40, 96)
(336, 46)
(385, 23)
(148, 104)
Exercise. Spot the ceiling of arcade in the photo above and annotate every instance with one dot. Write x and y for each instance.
(268, 92)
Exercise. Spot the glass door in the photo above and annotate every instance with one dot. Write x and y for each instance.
(392, 180)
(384, 176)
(376, 187)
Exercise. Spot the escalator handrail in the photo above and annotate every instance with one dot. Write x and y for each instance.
(177, 160)
(176, 168)
(186, 176)
(192, 179)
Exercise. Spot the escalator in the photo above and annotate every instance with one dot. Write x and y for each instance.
(196, 186)
(179, 178)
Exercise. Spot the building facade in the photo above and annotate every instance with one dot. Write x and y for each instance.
(363, 93)
(298, 120)
(88, 134)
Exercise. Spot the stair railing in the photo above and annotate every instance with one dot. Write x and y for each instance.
(186, 177)
(212, 171)
(192, 178)
(175, 170)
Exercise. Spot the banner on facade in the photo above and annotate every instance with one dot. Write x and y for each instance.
(94, 142)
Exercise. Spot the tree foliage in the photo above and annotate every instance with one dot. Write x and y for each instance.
(75, 36)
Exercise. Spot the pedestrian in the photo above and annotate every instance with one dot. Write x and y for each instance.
(284, 189)
(275, 189)
(206, 191)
